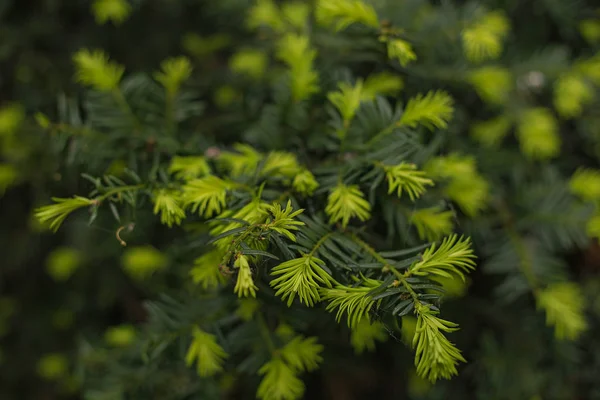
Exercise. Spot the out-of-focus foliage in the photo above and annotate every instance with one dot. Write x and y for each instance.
(405, 135)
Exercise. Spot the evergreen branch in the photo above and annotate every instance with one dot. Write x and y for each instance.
(280, 382)
(188, 168)
(432, 223)
(280, 163)
(400, 50)
(116, 11)
(295, 51)
(206, 195)
(346, 202)
(387, 267)
(432, 110)
(206, 270)
(453, 256)
(538, 134)
(342, 13)
(320, 243)
(55, 214)
(254, 214)
(355, 302)
(302, 276)
(95, 69)
(303, 354)
(585, 183)
(243, 162)
(167, 204)
(174, 71)
(406, 177)
(305, 183)
(435, 356)
(483, 39)
(244, 286)
(118, 191)
(283, 220)
(347, 101)
(382, 84)
(564, 305)
(206, 352)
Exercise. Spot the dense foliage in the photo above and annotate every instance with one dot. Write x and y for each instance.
(305, 185)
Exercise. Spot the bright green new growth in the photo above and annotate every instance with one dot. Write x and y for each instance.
(490, 133)
(537, 131)
(355, 302)
(174, 72)
(384, 83)
(585, 183)
(302, 354)
(571, 94)
(283, 220)
(296, 13)
(342, 13)
(406, 177)
(206, 353)
(280, 382)
(244, 286)
(249, 61)
(116, 11)
(93, 68)
(432, 223)
(188, 168)
(205, 195)
(55, 214)
(400, 50)
(294, 50)
(280, 163)
(265, 13)
(205, 272)
(464, 185)
(436, 357)
(302, 276)
(432, 110)
(453, 256)
(305, 183)
(347, 100)
(346, 202)
(241, 162)
(563, 304)
(167, 203)
(482, 40)
(492, 83)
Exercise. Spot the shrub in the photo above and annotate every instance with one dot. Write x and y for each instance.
(345, 180)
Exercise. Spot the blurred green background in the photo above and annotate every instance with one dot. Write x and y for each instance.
(41, 313)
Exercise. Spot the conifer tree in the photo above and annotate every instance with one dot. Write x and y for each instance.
(339, 185)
